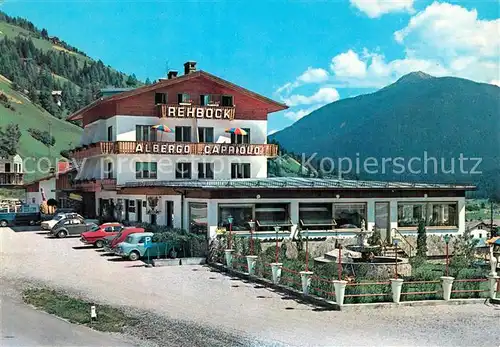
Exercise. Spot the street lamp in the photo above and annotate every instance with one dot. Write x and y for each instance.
(447, 241)
(252, 228)
(395, 243)
(276, 229)
(230, 221)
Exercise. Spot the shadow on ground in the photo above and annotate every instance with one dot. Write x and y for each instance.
(25, 228)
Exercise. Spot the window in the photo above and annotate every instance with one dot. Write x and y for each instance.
(160, 98)
(204, 100)
(241, 215)
(110, 133)
(269, 215)
(227, 100)
(240, 170)
(349, 216)
(241, 138)
(7, 167)
(315, 214)
(169, 213)
(205, 134)
(145, 170)
(131, 206)
(183, 171)
(183, 134)
(480, 235)
(183, 98)
(205, 170)
(145, 133)
(109, 170)
(431, 213)
(198, 214)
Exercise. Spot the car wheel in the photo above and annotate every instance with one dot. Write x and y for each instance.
(32, 222)
(99, 244)
(3, 223)
(62, 234)
(134, 256)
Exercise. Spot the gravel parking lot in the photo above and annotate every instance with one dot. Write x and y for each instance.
(198, 295)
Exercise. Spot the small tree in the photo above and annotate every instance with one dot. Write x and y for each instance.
(464, 249)
(376, 238)
(421, 241)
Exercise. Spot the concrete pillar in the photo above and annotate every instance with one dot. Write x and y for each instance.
(212, 219)
(461, 216)
(294, 217)
(276, 270)
(493, 286)
(305, 277)
(339, 291)
(370, 214)
(251, 262)
(396, 286)
(228, 256)
(393, 213)
(447, 284)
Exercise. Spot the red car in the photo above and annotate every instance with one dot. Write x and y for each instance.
(122, 235)
(96, 237)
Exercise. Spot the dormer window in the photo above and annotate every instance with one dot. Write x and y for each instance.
(160, 98)
(183, 98)
(227, 100)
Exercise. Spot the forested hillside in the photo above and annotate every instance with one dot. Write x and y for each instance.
(50, 72)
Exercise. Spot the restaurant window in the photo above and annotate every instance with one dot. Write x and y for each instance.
(145, 170)
(205, 170)
(313, 215)
(145, 133)
(442, 214)
(198, 217)
(131, 206)
(183, 98)
(411, 214)
(241, 215)
(241, 139)
(227, 100)
(349, 216)
(160, 98)
(205, 134)
(207, 99)
(183, 134)
(183, 171)
(267, 216)
(239, 170)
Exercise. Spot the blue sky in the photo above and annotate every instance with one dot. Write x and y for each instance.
(304, 53)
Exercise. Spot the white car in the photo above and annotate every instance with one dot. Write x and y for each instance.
(48, 225)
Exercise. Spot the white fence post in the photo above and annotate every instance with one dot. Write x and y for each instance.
(396, 286)
(447, 284)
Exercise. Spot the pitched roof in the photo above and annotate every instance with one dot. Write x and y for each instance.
(168, 82)
(295, 182)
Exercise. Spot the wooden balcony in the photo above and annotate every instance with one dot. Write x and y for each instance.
(11, 179)
(175, 148)
(95, 185)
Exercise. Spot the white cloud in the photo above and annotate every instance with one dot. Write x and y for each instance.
(348, 64)
(376, 8)
(300, 113)
(310, 76)
(270, 132)
(323, 96)
(495, 82)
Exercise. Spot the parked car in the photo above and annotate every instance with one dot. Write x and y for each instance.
(18, 215)
(71, 227)
(48, 225)
(96, 237)
(112, 242)
(134, 247)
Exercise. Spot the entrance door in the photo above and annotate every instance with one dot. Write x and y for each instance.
(169, 213)
(152, 219)
(138, 204)
(126, 210)
(383, 221)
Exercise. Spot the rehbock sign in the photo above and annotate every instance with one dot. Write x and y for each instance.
(200, 149)
(201, 112)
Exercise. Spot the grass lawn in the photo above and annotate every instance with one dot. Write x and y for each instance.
(75, 310)
(27, 115)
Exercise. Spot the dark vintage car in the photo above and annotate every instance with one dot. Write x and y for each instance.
(72, 227)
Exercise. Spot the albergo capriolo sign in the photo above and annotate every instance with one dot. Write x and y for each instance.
(202, 112)
(200, 149)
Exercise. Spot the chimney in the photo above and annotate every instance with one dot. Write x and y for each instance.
(189, 67)
(172, 74)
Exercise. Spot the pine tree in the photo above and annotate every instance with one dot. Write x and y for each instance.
(9, 140)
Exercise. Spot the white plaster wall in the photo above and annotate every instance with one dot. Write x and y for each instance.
(49, 187)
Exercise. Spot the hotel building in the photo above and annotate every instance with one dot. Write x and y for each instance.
(198, 175)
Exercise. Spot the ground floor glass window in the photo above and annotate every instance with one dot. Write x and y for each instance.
(241, 215)
(349, 216)
(198, 214)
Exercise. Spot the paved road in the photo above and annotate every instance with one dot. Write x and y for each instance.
(211, 300)
(22, 326)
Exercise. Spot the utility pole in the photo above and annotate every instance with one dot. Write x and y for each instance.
(491, 218)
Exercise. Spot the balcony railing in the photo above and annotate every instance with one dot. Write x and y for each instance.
(192, 111)
(10, 178)
(175, 148)
(95, 185)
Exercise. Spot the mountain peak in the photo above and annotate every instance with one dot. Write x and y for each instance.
(414, 77)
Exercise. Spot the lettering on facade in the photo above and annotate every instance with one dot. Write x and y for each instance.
(200, 149)
(201, 112)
